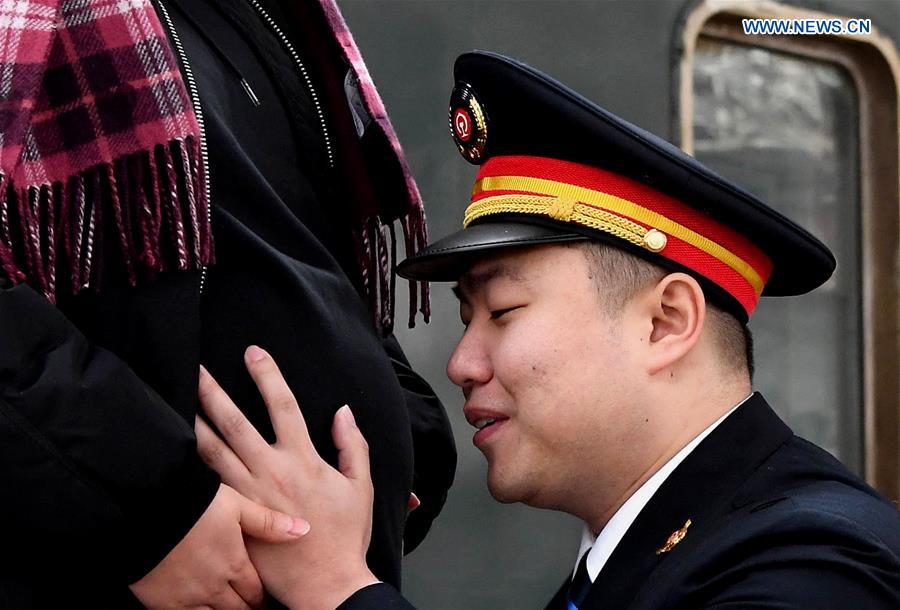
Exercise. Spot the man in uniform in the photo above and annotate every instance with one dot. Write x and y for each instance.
(605, 280)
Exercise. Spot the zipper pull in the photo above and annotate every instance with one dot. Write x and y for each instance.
(250, 92)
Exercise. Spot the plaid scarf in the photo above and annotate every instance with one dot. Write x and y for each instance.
(100, 154)
(371, 239)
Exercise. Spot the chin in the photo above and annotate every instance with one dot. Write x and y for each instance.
(502, 496)
(505, 491)
(526, 492)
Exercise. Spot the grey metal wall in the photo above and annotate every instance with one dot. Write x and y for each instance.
(621, 54)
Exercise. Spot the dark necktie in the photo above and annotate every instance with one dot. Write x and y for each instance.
(580, 585)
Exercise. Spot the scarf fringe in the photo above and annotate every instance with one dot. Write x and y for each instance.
(376, 249)
(59, 237)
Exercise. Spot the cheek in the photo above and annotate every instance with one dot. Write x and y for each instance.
(585, 385)
(558, 346)
(527, 357)
(543, 373)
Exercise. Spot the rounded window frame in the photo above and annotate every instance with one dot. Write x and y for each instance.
(874, 66)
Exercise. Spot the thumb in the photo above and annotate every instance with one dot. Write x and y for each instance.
(353, 450)
(269, 525)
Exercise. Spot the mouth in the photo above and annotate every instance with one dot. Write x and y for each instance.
(485, 424)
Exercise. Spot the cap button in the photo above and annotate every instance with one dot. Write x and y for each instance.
(655, 240)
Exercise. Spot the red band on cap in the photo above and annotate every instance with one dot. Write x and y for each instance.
(694, 240)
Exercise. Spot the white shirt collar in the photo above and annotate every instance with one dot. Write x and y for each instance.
(602, 546)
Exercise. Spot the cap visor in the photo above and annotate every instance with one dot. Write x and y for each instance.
(447, 259)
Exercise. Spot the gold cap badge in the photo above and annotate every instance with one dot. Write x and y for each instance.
(468, 123)
(674, 538)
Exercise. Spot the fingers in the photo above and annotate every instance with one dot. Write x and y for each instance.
(229, 599)
(287, 420)
(248, 585)
(413, 503)
(219, 456)
(237, 431)
(353, 450)
(269, 525)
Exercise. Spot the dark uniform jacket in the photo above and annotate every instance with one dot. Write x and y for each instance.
(776, 522)
(99, 475)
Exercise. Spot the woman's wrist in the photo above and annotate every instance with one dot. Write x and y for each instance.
(330, 591)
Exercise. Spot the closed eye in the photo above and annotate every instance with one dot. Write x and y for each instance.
(498, 313)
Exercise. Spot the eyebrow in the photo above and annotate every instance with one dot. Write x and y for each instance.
(471, 282)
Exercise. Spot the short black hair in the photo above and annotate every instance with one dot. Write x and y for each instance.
(619, 275)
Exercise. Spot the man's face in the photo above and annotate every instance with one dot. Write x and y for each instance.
(543, 359)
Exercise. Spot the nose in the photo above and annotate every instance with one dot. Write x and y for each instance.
(469, 363)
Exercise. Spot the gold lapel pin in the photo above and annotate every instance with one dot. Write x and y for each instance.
(674, 538)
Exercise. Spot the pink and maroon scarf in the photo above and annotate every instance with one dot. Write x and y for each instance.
(100, 153)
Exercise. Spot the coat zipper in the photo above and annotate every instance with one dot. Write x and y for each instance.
(198, 112)
(303, 72)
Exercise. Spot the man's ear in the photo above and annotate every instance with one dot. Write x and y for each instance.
(677, 310)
